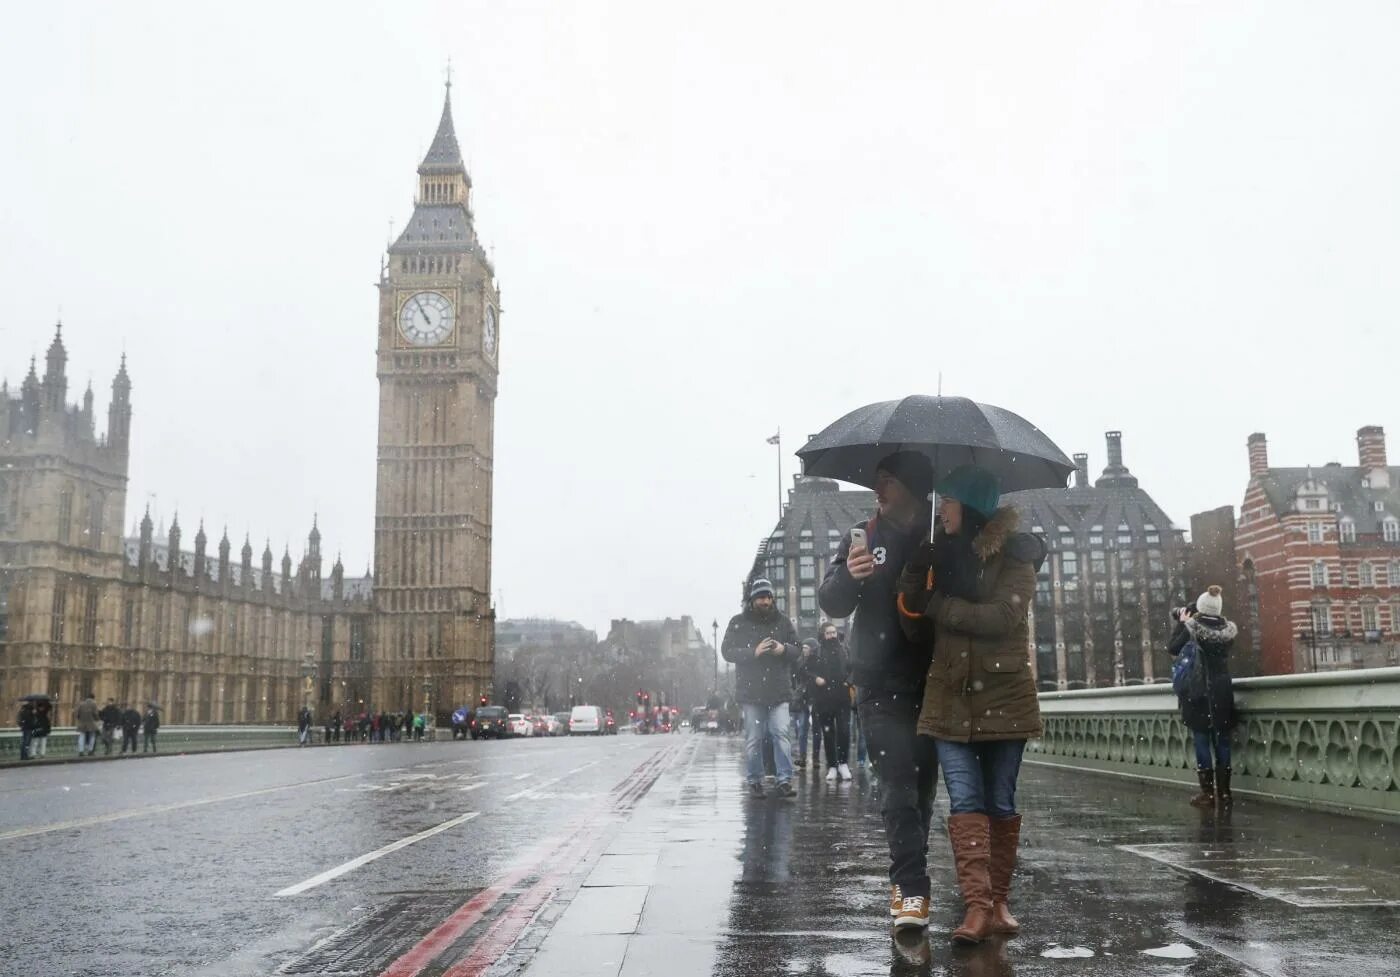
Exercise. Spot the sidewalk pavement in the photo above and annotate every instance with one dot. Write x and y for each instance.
(1116, 878)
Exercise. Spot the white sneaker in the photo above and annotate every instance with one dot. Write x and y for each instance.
(845, 771)
(832, 776)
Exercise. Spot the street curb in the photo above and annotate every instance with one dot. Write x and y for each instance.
(61, 761)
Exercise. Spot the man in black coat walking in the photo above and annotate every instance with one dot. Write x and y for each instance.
(111, 718)
(888, 670)
(762, 644)
(131, 729)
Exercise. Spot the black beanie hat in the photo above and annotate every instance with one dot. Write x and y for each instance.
(913, 470)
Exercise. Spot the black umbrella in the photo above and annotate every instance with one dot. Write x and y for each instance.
(951, 431)
(36, 697)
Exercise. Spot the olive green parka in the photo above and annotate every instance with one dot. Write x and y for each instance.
(980, 686)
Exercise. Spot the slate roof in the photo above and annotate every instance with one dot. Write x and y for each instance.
(821, 506)
(437, 227)
(1081, 509)
(1345, 489)
(444, 155)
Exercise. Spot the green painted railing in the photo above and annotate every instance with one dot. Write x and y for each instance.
(1326, 740)
(63, 742)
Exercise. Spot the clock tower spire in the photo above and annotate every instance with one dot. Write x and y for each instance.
(439, 315)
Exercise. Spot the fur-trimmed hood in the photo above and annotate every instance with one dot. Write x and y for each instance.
(1000, 535)
(1206, 630)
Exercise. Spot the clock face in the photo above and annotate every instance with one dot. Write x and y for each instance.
(488, 332)
(426, 318)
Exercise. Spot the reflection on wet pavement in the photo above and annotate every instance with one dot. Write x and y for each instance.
(1111, 882)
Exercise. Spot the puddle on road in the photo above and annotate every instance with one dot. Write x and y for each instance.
(1172, 951)
(1057, 952)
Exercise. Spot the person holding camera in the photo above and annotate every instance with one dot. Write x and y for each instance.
(762, 643)
(1200, 644)
(888, 669)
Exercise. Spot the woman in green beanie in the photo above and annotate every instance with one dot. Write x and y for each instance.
(969, 592)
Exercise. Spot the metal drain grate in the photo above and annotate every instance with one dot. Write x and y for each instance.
(1293, 877)
(375, 940)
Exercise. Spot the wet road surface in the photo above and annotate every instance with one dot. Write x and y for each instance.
(1115, 879)
(642, 856)
(241, 863)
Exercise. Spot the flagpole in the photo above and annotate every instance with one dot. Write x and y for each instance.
(777, 440)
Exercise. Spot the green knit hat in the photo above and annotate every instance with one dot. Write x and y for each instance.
(974, 487)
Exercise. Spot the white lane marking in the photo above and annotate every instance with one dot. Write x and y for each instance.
(162, 809)
(354, 863)
(584, 767)
(473, 786)
(530, 790)
(522, 776)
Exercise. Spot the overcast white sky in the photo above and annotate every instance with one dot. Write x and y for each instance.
(708, 220)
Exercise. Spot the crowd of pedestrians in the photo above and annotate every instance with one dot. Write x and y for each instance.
(372, 727)
(939, 674)
(91, 724)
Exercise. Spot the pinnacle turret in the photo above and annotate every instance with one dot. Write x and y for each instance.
(444, 155)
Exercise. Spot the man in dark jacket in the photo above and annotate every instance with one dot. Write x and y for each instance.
(801, 706)
(26, 729)
(831, 702)
(150, 726)
(131, 729)
(43, 725)
(762, 644)
(888, 669)
(111, 718)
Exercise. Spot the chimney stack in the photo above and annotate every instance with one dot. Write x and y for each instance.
(1370, 447)
(1258, 455)
(1115, 448)
(1081, 471)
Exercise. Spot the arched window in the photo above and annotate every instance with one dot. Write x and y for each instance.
(1319, 573)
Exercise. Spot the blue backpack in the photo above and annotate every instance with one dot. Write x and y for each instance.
(1184, 665)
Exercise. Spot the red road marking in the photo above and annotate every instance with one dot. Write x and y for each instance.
(503, 933)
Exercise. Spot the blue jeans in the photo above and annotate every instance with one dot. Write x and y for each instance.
(773, 720)
(981, 777)
(1222, 750)
(802, 721)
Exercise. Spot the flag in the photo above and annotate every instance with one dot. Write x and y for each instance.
(776, 439)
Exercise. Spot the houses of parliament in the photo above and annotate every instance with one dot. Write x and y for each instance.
(214, 636)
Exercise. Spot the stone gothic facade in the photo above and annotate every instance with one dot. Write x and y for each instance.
(215, 638)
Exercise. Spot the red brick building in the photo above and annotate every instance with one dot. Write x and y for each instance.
(1319, 553)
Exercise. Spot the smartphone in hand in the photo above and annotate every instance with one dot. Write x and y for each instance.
(858, 539)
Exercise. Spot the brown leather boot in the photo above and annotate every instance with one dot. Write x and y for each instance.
(1006, 837)
(1222, 788)
(971, 838)
(1206, 798)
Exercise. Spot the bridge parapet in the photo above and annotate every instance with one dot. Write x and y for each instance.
(1329, 740)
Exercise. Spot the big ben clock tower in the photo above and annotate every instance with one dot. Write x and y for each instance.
(439, 334)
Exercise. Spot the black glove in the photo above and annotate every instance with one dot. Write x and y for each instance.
(921, 560)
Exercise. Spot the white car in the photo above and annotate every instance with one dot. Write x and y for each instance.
(586, 719)
(519, 725)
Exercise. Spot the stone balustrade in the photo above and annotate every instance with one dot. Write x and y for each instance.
(63, 742)
(1329, 740)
